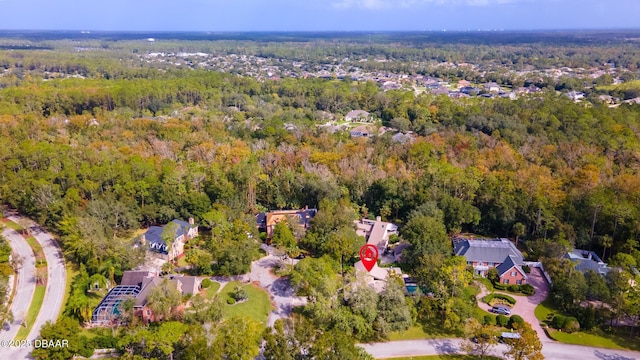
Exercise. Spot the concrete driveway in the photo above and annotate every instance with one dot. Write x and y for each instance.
(279, 288)
(525, 305)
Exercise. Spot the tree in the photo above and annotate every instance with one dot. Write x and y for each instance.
(336, 345)
(63, 329)
(518, 230)
(606, 241)
(527, 347)
(169, 233)
(279, 345)
(163, 299)
(482, 338)
(314, 278)
(204, 312)
(393, 309)
(200, 260)
(427, 235)
(283, 238)
(152, 342)
(237, 338)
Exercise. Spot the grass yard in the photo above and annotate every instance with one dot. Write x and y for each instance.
(10, 224)
(616, 339)
(182, 262)
(445, 357)
(545, 311)
(72, 272)
(597, 339)
(418, 332)
(34, 309)
(213, 289)
(257, 307)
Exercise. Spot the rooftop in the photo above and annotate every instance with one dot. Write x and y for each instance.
(493, 250)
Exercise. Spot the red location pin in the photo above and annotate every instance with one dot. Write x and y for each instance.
(369, 256)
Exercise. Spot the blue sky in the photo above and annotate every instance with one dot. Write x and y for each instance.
(317, 15)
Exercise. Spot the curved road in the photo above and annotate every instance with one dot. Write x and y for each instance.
(550, 350)
(56, 284)
(26, 283)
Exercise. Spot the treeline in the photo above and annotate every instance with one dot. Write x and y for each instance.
(566, 171)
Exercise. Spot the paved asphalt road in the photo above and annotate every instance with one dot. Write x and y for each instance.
(26, 281)
(551, 350)
(56, 285)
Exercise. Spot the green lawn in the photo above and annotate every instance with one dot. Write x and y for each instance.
(257, 307)
(445, 357)
(182, 262)
(617, 339)
(12, 225)
(34, 309)
(213, 289)
(37, 250)
(545, 310)
(599, 339)
(72, 271)
(418, 331)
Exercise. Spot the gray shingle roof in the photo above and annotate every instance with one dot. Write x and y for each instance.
(492, 251)
(154, 235)
(134, 277)
(587, 260)
(507, 264)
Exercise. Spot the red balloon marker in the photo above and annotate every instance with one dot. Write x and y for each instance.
(369, 256)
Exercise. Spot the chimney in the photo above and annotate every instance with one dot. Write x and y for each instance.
(143, 239)
(378, 218)
(191, 221)
(306, 207)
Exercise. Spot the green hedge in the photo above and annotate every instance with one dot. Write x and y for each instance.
(487, 299)
(489, 320)
(515, 319)
(502, 320)
(526, 289)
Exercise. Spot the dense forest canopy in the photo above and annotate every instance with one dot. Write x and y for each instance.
(96, 142)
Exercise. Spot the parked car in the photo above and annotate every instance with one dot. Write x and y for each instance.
(501, 310)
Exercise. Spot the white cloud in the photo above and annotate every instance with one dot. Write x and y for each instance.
(385, 4)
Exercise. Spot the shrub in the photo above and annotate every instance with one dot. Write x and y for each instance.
(571, 325)
(206, 283)
(589, 318)
(489, 320)
(231, 301)
(505, 298)
(526, 269)
(500, 286)
(502, 320)
(515, 319)
(527, 289)
(514, 288)
(558, 321)
(240, 293)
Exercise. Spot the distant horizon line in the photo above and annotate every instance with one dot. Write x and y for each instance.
(211, 32)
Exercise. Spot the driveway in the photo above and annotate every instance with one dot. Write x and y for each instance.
(525, 305)
(279, 288)
(552, 350)
(26, 281)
